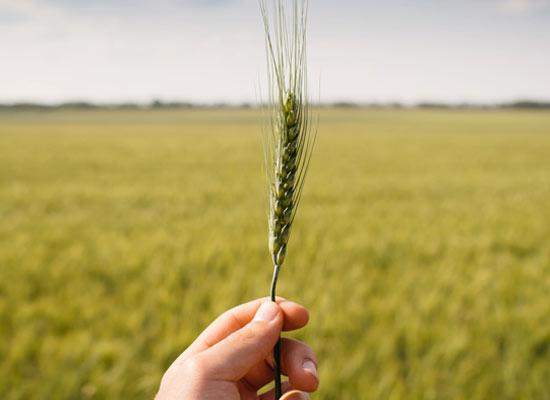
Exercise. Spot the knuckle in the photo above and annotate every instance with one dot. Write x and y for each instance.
(248, 334)
(194, 367)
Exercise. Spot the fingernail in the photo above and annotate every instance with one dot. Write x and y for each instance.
(309, 366)
(267, 312)
(295, 395)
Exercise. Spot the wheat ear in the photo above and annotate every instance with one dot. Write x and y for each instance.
(288, 141)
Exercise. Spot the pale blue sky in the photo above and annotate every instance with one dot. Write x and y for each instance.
(212, 50)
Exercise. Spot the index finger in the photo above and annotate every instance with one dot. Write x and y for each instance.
(295, 317)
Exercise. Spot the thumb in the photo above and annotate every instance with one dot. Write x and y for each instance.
(232, 358)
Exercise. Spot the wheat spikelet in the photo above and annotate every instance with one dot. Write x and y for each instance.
(288, 142)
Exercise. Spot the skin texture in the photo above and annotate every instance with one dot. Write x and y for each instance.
(232, 358)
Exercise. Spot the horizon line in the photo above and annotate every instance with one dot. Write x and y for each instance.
(158, 104)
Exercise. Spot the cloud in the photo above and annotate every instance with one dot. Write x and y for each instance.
(524, 6)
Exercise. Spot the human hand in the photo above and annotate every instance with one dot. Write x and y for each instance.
(233, 358)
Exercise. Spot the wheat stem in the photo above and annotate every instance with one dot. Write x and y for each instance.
(277, 348)
(276, 270)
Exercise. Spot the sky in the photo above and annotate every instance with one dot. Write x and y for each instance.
(109, 51)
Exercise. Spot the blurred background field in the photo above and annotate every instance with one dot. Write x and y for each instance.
(421, 249)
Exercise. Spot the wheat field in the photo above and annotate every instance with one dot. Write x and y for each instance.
(421, 249)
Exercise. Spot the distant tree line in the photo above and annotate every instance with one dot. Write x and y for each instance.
(158, 104)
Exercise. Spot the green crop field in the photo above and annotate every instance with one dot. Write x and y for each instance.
(421, 249)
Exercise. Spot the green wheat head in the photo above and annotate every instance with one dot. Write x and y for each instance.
(288, 138)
